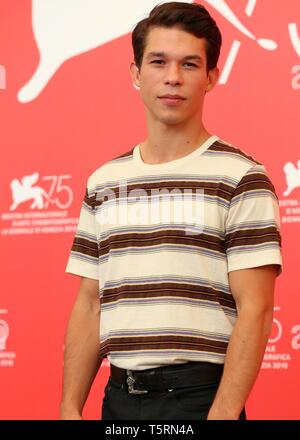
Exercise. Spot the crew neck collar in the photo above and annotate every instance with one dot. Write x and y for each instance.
(173, 163)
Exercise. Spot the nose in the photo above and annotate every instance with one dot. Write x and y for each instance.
(173, 75)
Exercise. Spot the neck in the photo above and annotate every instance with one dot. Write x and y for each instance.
(170, 142)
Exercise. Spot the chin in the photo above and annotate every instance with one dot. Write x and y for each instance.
(171, 120)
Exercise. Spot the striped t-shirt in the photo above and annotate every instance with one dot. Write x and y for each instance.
(161, 239)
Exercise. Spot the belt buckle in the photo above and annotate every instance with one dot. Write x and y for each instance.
(130, 382)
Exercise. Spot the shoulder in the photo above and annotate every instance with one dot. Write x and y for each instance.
(232, 153)
(234, 161)
(105, 172)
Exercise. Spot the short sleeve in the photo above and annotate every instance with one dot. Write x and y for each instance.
(252, 230)
(84, 255)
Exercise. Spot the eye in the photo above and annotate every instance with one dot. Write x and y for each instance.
(191, 64)
(157, 62)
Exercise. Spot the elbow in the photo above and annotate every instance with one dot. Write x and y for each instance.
(260, 316)
(264, 319)
(268, 322)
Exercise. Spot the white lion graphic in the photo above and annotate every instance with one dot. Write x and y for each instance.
(63, 29)
(292, 175)
(23, 191)
(66, 28)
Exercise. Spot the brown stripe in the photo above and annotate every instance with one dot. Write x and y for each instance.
(254, 181)
(162, 343)
(85, 247)
(218, 146)
(142, 189)
(136, 240)
(251, 237)
(160, 290)
(89, 200)
(126, 154)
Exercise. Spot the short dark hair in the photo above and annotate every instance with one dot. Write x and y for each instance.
(190, 17)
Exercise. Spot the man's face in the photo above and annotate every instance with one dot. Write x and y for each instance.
(174, 64)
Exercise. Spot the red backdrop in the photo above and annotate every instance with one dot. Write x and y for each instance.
(67, 105)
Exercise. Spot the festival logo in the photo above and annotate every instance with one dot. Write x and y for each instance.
(7, 358)
(4, 332)
(290, 207)
(276, 356)
(24, 190)
(2, 77)
(32, 197)
(292, 175)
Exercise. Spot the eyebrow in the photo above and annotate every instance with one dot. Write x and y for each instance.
(164, 55)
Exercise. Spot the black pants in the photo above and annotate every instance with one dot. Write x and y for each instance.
(189, 403)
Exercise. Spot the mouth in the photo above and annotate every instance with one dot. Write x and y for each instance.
(169, 96)
(172, 99)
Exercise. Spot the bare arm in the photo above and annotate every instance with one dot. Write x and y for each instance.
(253, 291)
(81, 357)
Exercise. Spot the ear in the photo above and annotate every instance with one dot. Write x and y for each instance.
(135, 75)
(212, 78)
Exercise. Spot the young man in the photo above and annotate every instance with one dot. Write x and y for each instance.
(185, 306)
